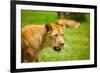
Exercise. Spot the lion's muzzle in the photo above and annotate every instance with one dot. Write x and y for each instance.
(58, 48)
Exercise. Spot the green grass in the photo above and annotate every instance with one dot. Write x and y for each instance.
(77, 40)
(37, 17)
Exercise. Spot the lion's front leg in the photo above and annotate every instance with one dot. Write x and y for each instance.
(28, 55)
(36, 59)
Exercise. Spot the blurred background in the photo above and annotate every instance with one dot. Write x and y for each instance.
(77, 40)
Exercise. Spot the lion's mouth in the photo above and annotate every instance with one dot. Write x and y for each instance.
(57, 49)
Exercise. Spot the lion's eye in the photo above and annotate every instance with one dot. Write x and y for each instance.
(62, 34)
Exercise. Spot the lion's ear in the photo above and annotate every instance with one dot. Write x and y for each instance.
(48, 27)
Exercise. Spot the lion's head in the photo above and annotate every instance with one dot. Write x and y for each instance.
(55, 36)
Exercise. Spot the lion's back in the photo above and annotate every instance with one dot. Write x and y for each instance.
(32, 35)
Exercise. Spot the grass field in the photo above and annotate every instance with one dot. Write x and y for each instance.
(77, 40)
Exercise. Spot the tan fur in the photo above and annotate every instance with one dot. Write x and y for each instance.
(37, 37)
(69, 23)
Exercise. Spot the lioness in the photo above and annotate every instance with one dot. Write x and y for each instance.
(69, 23)
(37, 37)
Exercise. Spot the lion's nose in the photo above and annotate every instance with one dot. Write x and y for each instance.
(62, 44)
